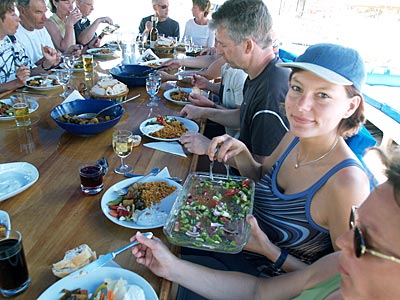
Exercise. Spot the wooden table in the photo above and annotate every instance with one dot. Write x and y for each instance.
(53, 215)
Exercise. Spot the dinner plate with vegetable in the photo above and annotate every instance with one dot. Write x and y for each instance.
(145, 205)
(107, 283)
(167, 128)
(43, 82)
(7, 112)
(78, 66)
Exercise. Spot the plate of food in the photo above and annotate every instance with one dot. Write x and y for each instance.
(7, 112)
(151, 200)
(78, 66)
(117, 281)
(101, 52)
(15, 178)
(43, 82)
(167, 128)
(180, 96)
(155, 62)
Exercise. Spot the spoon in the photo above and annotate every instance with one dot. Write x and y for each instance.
(94, 115)
(151, 70)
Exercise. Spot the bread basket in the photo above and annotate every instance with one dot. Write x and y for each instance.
(118, 98)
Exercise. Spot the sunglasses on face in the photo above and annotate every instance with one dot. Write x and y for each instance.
(360, 247)
(163, 6)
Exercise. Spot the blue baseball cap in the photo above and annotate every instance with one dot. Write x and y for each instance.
(334, 63)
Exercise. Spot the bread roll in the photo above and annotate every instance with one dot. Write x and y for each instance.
(73, 260)
(196, 90)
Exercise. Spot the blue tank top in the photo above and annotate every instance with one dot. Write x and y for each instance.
(286, 219)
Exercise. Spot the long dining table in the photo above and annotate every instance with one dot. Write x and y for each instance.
(53, 215)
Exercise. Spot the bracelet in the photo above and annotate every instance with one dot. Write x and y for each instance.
(46, 69)
(281, 259)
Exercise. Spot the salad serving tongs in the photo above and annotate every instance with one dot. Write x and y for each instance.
(212, 165)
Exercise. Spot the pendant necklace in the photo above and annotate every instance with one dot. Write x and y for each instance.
(298, 164)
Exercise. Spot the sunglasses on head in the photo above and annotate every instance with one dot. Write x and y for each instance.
(163, 6)
(360, 247)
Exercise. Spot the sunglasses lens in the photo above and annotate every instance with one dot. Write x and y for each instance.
(163, 6)
(358, 242)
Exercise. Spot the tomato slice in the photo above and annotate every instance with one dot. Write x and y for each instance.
(231, 192)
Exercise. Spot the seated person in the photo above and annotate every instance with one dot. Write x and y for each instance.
(61, 23)
(197, 28)
(16, 66)
(165, 25)
(367, 267)
(31, 32)
(85, 32)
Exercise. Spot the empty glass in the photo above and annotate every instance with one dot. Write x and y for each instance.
(156, 77)
(152, 87)
(63, 77)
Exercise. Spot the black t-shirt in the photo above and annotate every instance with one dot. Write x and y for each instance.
(167, 28)
(262, 113)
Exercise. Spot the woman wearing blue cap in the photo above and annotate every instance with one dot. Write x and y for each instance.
(368, 267)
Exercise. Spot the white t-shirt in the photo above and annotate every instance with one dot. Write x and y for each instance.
(201, 35)
(33, 41)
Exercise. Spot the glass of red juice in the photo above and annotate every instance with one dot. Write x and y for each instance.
(14, 276)
(91, 179)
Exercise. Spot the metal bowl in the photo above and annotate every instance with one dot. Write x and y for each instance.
(85, 106)
(131, 75)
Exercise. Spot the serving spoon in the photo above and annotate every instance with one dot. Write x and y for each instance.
(94, 115)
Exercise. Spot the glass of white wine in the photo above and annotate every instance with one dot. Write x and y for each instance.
(122, 142)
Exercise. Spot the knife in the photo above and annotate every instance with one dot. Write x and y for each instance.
(130, 175)
(106, 258)
(29, 92)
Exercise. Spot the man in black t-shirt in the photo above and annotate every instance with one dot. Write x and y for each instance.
(165, 25)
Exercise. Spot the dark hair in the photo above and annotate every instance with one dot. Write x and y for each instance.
(347, 126)
(244, 19)
(24, 3)
(6, 6)
(52, 7)
(204, 5)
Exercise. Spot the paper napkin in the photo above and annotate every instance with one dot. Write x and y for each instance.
(75, 95)
(170, 147)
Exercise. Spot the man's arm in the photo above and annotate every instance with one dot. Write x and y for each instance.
(86, 35)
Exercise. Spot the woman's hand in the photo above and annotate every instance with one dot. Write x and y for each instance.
(73, 17)
(258, 240)
(153, 254)
(224, 147)
(22, 74)
(195, 142)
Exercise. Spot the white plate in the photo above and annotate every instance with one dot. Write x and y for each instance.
(157, 62)
(62, 65)
(15, 178)
(96, 52)
(47, 86)
(147, 129)
(167, 95)
(93, 280)
(5, 219)
(33, 106)
(164, 206)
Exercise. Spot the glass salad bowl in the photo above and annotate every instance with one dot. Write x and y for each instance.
(210, 214)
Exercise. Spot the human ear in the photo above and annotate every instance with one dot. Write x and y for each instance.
(353, 105)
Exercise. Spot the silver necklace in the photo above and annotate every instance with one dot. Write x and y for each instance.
(298, 164)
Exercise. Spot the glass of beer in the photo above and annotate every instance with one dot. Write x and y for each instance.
(20, 105)
(122, 142)
(87, 63)
(14, 276)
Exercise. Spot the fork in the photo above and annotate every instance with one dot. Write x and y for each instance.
(123, 191)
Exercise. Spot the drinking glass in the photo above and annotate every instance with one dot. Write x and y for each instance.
(156, 77)
(152, 89)
(188, 43)
(122, 144)
(63, 77)
(14, 276)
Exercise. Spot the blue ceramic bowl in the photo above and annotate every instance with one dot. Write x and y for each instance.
(85, 106)
(131, 75)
